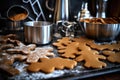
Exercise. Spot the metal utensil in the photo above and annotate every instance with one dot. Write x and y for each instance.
(101, 32)
(38, 32)
(61, 10)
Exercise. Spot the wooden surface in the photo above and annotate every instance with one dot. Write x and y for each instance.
(111, 76)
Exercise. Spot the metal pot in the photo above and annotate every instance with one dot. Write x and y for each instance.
(38, 32)
(9, 25)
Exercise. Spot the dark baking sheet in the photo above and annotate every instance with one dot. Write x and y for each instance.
(79, 72)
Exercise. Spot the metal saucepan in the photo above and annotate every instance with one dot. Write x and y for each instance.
(9, 25)
(38, 32)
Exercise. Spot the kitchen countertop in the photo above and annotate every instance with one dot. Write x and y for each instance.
(110, 76)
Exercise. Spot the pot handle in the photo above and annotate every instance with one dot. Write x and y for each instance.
(46, 4)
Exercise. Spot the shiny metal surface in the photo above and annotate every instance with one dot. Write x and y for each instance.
(9, 25)
(14, 25)
(61, 10)
(101, 32)
(39, 32)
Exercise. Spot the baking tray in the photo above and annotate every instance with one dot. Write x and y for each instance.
(79, 72)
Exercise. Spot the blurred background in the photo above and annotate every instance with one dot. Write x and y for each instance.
(112, 8)
(38, 11)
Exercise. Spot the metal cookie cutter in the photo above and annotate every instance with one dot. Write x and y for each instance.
(65, 29)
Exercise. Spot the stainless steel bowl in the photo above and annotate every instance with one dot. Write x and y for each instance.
(101, 32)
(38, 32)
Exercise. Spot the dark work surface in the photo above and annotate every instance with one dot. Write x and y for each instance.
(110, 76)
